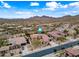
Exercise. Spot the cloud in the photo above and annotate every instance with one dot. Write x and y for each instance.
(25, 13)
(34, 4)
(63, 6)
(5, 5)
(70, 12)
(51, 6)
(74, 11)
(54, 5)
(37, 10)
(74, 4)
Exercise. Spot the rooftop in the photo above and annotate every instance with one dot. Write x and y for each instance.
(17, 40)
(74, 51)
(56, 33)
(43, 36)
(4, 48)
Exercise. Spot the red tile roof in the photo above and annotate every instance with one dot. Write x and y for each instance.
(44, 37)
(56, 33)
(17, 40)
(73, 51)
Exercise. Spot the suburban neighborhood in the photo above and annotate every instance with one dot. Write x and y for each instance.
(20, 40)
(39, 28)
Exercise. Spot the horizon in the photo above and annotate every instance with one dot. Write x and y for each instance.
(27, 9)
(41, 17)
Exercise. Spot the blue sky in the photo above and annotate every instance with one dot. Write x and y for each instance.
(26, 9)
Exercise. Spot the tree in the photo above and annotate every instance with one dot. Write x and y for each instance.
(27, 34)
(61, 39)
(60, 53)
(77, 31)
(3, 42)
(65, 31)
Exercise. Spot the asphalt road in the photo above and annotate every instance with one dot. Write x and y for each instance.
(52, 49)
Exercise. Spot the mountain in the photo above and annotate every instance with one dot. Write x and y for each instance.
(41, 18)
(69, 18)
(44, 18)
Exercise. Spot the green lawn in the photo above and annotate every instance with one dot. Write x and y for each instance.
(36, 43)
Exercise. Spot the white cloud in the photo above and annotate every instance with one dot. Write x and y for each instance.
(52, 9)
(25, 13)
(5, 5)
(54, 5)
(74, 4)
(51, 6)
(63, 6)
(70, 12)
(74, 11)
(66, 13)
(34, 4)
(36, 10)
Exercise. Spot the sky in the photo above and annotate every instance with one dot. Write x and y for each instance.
(27, 9)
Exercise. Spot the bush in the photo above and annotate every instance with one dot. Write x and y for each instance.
(62, 39)
(3, 42)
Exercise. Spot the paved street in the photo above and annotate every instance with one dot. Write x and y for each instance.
(52, 49)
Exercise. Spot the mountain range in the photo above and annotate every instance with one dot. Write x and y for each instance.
(44, 18)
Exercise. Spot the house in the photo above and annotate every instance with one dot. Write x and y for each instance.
(55, 34)
(72, 52)
(15, 52)
(4, 50)
(17, 45)
(20, 26)
(44, 37)
(26, 28)
(10, 50)
(1, 29)
(19, 35)
(71, 32)
(59, 29)
(66, 25)
(17, 40)
(63, 27)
